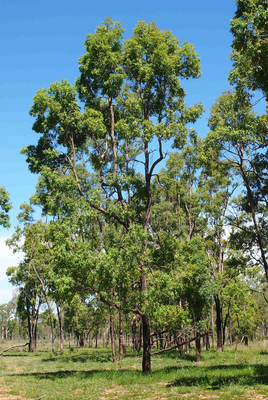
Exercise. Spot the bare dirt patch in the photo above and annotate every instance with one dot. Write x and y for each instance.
(18, 370)
(5, 394)
(252, 395)
(113, 390)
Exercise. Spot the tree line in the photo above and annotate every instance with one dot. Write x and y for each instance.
(162, 239)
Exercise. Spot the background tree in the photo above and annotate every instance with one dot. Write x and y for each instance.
(236, 135)
(250, 46)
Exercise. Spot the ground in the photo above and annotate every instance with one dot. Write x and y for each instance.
(90, 374)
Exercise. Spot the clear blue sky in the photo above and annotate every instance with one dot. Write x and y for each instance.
(41, 42)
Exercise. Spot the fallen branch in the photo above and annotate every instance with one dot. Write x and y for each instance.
(12, 347)
(38, 398)
(181, 344)
(100, 358)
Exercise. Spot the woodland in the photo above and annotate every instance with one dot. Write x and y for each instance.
(151, 238)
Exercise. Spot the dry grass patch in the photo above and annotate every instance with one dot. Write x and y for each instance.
(4, 394)
(255, 396)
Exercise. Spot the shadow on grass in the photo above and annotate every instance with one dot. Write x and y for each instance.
(105, 357)
(83, 358)
(15, 355)
(218, 376)
(214, 377)
(108, 374)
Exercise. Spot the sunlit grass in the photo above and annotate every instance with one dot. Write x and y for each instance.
(90, 374)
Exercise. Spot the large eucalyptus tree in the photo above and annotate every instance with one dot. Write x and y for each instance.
(132, 104)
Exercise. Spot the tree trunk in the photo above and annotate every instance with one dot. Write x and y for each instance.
(32, 342)
(212, 327)
(30, 329)
(135, 336)
(198, 347)
(82, 339)
(219, 323)
(146, 359)
(49, 310)
(112, 337)
(207, 342)
(121, 337)
(59, 310)
(204, 342)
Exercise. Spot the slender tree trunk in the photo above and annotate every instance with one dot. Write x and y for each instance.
(219, 323)
(198, 347)
(49, 310)
(121, 337)
(59, 310)
(207, 341)
(187, 347)
(230, 332)
(32, 342)
(112, 337)
(204, 342)
(135, 338)
(30, 328)
(146, 360)
(212, 327)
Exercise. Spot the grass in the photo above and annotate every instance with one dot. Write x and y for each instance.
(90, 374)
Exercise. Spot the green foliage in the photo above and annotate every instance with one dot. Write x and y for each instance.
(5, 207)
(250, 46)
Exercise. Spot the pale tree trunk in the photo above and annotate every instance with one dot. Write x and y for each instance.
(49, 310)
(31, 328)
(212, 327)
(112, 337)
(187, 347)
(59, 310)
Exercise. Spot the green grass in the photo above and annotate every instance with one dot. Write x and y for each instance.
(90, 374)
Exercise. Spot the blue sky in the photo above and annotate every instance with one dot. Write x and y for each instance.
(41, 42)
